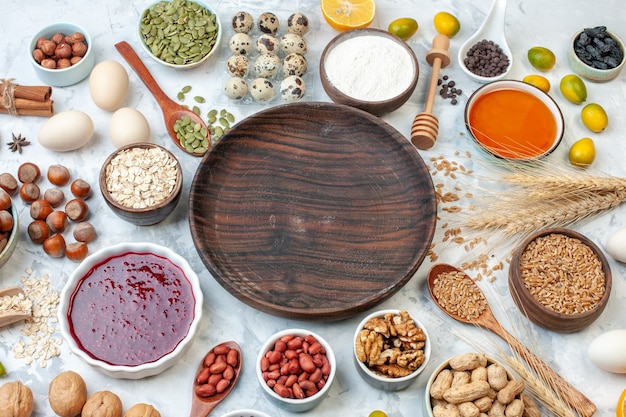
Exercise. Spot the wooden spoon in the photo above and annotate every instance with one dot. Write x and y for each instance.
(9, 317)
(172, 111)
(486, 319)
(202, 406)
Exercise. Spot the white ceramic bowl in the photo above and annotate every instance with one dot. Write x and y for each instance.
(119, 344)
(245, 413)
(6, 253)
(589, 72)
(294, 404)
(504, 151)
(66, 76)
(384, 382)
(190, 65)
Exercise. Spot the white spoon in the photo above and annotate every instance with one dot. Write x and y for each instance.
(492, 29)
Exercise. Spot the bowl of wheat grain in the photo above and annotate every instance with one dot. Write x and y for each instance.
(560, 279)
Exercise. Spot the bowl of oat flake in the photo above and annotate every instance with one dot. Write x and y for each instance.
(141, 183)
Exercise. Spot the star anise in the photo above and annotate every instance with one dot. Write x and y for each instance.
(17, 143)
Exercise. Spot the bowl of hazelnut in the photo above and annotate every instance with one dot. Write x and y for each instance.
(391, 349)
(9, 227)
(61, 54)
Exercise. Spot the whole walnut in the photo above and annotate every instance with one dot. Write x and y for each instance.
(67, 394)
(16, 400)
(102, 404)
(142, 410)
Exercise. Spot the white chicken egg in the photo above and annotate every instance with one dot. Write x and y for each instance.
(128, 125)
(616, 245)
(108, 85)
(66, 131)
(608, 351)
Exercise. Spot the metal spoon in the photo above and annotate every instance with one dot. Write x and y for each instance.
(202, 406)
(487, 320)
(9, 317)
(172, 111)
(492, 29)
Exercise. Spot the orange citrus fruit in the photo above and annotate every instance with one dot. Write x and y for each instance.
(620, 410)
(446, 24)
(345, 15)
(538, 81)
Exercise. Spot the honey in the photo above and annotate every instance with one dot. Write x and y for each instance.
(512, 124)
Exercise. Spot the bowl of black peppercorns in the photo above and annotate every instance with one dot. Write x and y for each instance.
(596, 54)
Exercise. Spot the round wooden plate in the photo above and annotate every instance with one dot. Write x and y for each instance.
(312, 211)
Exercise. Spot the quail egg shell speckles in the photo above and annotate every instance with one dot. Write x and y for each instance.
(269, 23)
(267, 43)
(238, 65)
(236, 88)
(242, 22)
(294, 64)
(292, 88)
(298, 24)
(292, 43)
(267, 65)
(262, 89)
(240, 43)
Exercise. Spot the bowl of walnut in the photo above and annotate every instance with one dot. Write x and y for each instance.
(61, 54)
(471, 384)
(141, 183)
(391, 349)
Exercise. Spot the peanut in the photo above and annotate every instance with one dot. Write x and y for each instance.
(497, 377)
(497, 409)
(468, 361)
(479, 374)
(468, 409)
(468, 392)
(216, 373)
(442, 382)
(484, 403)
(446, 410)
(515, 408)
(510, 391)
(530, 406)
(460, 378)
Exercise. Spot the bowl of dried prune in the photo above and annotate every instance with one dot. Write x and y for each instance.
(596, 54)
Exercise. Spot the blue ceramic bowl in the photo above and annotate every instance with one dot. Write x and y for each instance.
(589, 72)
(6, 253)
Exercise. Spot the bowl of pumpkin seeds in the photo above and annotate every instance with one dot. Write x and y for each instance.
(180, 34)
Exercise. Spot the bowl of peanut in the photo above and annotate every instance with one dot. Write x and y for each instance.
(472, 383)
(560, 279)
(391, 349)
(296, 368)
(61, 54)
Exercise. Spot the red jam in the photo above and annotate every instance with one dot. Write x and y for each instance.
(131, 309)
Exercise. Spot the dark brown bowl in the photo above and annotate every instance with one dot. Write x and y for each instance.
(142, 216)
(377, 108)
(539, 313)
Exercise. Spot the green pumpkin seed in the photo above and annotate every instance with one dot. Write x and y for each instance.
(199, 99)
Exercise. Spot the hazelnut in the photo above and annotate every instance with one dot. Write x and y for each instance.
(6, 221)
(142, 410)
(64, 63)
(76, 209)
(84, 232)
(48, 47)
(77, 37)
(5, 200)
(54, 196)
(57, 38)
(63, 50)
(4, 241)
(49, 63)
(103, 404)
(8, 183)
(40, 209)
(28, 172)
(54, 246)
(16, 400)
(40, 42)
(75, 59)
(58, 175)
(57, 221)
(80, 188)
(38, 231)
(29, 192)
(76, 251)
(67, 394)
(68, 40)
(79, 49)
(38, 55)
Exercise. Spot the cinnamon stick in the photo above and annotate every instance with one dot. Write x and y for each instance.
(31, 107)
(34, 93)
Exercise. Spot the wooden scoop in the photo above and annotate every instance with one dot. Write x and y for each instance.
(9, 317)
(202, 406)
(487, 320)
(425, 125)
(172, 111)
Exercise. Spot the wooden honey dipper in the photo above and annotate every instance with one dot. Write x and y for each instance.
(425, 125)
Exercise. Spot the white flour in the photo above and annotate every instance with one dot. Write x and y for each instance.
(369, 68)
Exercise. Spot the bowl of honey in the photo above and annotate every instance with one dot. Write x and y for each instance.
(514, 120)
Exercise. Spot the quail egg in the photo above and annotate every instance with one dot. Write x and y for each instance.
(267, 43)
(267, 65)
(294, 64)
(262, 89)
(236, 88)
(238, 65)
(292, 88)
(240, 43)
(242, 22)
(268, 23)
(293, 43)
(298, 24)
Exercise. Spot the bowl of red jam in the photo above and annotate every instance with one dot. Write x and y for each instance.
(131, 310)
